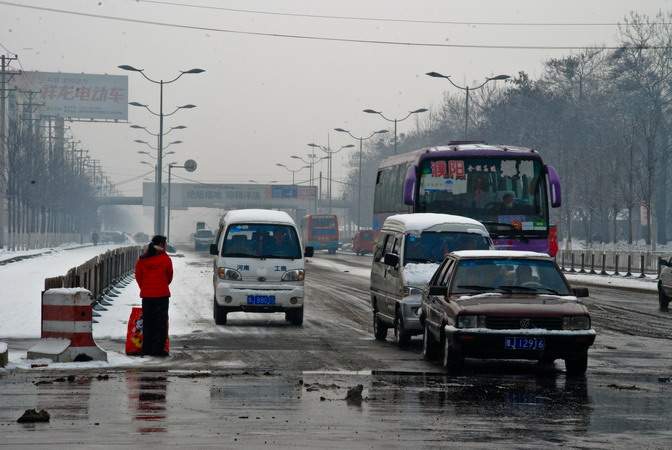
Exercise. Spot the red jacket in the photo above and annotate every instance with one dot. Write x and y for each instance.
(153, 274)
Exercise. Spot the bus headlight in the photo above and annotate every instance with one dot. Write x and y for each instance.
(225, 273)
(576, 323)
(294, 275)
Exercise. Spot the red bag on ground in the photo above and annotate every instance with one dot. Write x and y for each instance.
(134, 334)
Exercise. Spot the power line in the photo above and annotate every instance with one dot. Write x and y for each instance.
(383, 19)
(316, 38)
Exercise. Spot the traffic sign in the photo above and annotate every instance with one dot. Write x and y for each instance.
(190, 165)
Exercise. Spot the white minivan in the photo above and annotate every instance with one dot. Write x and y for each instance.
(258, 265)
(409, 249)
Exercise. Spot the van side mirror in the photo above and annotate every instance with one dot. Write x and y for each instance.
(580, 292)
(213, 249)
(308, 253)
(391, 259)
(438, 290)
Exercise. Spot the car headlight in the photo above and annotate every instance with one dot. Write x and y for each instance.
(410, 290)
(294, 275)
(225, 273)
(576, 323)
(470, 321)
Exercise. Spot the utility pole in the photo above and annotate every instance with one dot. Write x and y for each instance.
(4, 159)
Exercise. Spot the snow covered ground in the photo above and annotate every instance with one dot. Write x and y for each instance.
(22, 282)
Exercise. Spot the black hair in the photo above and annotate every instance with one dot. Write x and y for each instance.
(156, 240)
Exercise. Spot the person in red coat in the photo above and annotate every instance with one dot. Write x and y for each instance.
(153, 273)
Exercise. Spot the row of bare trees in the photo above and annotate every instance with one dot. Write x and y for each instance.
(600, 116)
(51, 186)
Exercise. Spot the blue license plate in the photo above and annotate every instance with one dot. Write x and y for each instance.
(261, 299)
(524, 343)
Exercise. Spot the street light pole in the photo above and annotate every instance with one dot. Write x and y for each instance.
(170, 168)
(380, 113)
(359, 183)
(467, 89)
(157, 202)
(312, 163)
(190, 166)
(330, 153)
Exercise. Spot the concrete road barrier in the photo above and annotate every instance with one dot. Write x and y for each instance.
(66, 327)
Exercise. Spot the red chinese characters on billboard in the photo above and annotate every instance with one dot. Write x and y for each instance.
(79, 96)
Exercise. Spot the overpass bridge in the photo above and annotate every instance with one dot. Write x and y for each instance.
(227, 196)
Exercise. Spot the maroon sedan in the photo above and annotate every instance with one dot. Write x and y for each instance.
(504, 305)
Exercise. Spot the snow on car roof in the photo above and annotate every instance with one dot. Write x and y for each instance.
(256, 216)
(500, 254)
(418, 222)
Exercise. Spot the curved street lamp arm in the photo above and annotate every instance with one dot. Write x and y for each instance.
(142, 72)
(362, 138)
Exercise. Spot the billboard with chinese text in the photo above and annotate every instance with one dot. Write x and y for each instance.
(78, 96)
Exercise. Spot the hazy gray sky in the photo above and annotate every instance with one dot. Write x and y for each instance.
(263, 98)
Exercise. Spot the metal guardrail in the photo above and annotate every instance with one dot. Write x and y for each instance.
(99, 273)
(616, 263)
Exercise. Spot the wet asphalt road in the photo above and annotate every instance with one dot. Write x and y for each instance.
(259, 382)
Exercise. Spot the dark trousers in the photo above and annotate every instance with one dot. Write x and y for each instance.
(154, 325)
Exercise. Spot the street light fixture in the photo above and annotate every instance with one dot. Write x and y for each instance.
(142, 152)
(157, 205)
(330, 153)
(291, 170)
(154, 148)
(467, 89)
(380, 113)
(139, 127)
(359, 184)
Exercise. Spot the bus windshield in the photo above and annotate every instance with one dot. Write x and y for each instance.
(507, 194)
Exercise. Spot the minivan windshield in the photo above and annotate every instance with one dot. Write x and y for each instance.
(433, 246)
(261, 241)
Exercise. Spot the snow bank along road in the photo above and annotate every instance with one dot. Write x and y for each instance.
(259, 380)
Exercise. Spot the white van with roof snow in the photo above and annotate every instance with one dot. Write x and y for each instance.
(409, 249)
(258, 265)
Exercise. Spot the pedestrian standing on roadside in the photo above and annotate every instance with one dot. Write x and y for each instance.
(154, 272)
